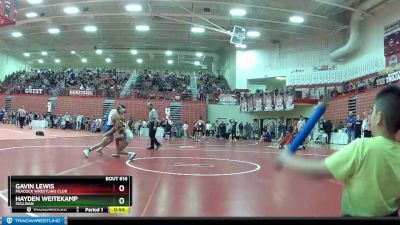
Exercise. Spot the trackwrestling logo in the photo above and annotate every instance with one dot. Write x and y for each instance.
(33, 221)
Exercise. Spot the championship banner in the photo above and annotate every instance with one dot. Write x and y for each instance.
(279, 104)
(289, 101)
(251, 105)
(258, 101)
(392, 46)
(34, 91)
(268, 103)
(81, 93)
(243, 104)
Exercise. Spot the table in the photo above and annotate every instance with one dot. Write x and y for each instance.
(40, 123)
(339, 138)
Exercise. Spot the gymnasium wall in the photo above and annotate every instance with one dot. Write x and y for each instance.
(93, 106)
(338, 108)
(296, 56)
(373, 33)
(215, 112)
(229, 67)
(9, 64)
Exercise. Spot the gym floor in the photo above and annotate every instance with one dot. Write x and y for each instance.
(208, 179)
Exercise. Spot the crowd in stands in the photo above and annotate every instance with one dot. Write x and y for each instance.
(107, 82)
(52, 81)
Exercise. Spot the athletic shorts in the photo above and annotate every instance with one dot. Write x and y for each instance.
(129, 136)
(108, 128)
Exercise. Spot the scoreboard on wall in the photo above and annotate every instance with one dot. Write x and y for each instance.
(70, 194)
(8, 12)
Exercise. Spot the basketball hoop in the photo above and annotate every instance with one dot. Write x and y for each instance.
(238, 35)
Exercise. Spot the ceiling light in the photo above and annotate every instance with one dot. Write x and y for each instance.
(41, 61)
(168, 53)
(108, 60)
(99, 51)
(199, 54)
(27, 54)
(142, 28)
(238, 12)
(84, 60)
(139, 61)
(280, 78)
(54, 30)
(34, 2)
(71, 10)
(253, 34)
(133, 8)
(31, 15)
(44, 53)
(197, 63)
(241, 46)
(134, 52)
(73, 52)
(197, 30)
(170, 62)
(16, 34)
(57, 60)
(296, 19)
(90, 28)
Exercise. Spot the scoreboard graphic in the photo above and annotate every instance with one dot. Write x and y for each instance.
(65, 194)
(8, 12)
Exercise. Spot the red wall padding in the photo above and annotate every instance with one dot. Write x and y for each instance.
(137, 108)
(80, 105)
(32, 103)
(338, 108)
(3, 101)
(192, 111)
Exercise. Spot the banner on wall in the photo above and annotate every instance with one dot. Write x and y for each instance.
(268, 103)
(34, 91)
(279, 104)
(258, 101)
(49, 106)
(243, 104)
(81, 93)
(390, 78)
(289, 101)
(227, 99)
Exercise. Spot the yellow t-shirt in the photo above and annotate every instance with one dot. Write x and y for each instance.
(370, 171)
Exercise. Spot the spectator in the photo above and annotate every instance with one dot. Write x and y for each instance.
(208, 129)
(358, 125)
(366, 125)
(241, 128)
(340, 126)
(185, 128)
(328, 129)
(350, 124)
(79, 119)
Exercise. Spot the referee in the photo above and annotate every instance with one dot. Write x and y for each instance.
(21, 116)
(153, 119)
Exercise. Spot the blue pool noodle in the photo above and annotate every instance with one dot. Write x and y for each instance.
(300, 137)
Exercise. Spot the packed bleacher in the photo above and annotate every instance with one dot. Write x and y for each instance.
(107, 82)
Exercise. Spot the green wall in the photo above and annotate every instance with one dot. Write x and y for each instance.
(9, 64)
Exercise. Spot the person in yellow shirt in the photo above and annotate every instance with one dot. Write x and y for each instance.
(369, 168)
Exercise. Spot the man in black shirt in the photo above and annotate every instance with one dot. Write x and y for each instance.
(233, 129)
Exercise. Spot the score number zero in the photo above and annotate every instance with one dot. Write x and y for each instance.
(121, 188)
